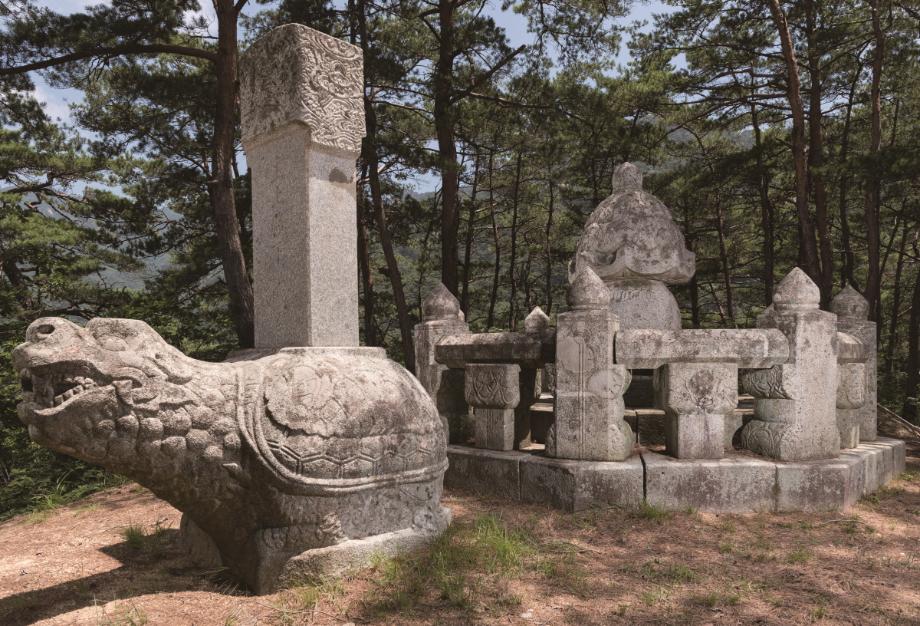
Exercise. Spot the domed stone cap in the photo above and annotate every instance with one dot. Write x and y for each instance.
(796, 292)
(441, 304)
(850, 303)
(631, 234)
(587, 291)
(537, 322)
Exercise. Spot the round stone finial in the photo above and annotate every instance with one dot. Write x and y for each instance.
(537, 322)
(587, 291)
(626, 177)
(441, 304)
(796, 292)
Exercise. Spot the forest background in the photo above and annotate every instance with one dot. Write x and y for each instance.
(779, 133)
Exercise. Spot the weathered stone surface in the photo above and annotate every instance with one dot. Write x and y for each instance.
(441, 305)
(493, 391)
(486, 472)
(827, 485)
(632, 243)
(579, 485)
(321, 564)
(852, 311)
(648, 348)
(536, 323)
(644, 303)
(850, 349)
(442, 318)
(296, 75)
(520, 348)
(851, 395)
(589, 406)
(302, 449)
(697, 397)
(301, 95)
(631, 234)
(795, 415)
(730, 485)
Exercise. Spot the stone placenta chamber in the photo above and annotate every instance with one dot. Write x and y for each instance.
(810, 375)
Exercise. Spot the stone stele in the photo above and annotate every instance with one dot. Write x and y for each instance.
(283, 465)
(302, 113)
(633, 245)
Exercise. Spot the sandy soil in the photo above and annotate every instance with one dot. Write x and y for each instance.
(112, 559)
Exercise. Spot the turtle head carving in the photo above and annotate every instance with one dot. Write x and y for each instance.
(79, 383)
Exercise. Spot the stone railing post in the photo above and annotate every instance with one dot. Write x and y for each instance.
(795, 413)
(302, 109)
(697, 399)
(493, 390)
(852, 311)
(442, 317)
(589, 409)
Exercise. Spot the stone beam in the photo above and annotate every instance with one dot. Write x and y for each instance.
(301, 101)
(748, 348)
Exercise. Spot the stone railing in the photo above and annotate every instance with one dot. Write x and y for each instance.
(811, 372)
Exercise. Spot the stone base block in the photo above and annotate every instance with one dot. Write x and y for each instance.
(486, 472)
(314, 565)
(534, 478)
(829, 485)
(734, 484)
(579, 485)
(729, 485)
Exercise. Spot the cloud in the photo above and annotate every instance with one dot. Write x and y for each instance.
(55, 102)
(69, 6)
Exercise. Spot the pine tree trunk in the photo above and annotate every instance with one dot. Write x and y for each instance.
(548, 251)
(496, 242)
(912, 366)
(766, 212)
(470, 231)
(220, 186)
(808, 252)
(873, 184)
(444, 121)
(512, 264)
(364, 269)
(846, 271)
(723, 262)
(895, 306)
(816, 156)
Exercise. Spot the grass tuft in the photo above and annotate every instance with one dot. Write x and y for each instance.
(134, 535)
(673, 573)
(798, 556)
(465, 567)
(715, 599)
(651, 512)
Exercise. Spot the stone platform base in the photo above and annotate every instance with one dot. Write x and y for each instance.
(736, 484)
(331, 561)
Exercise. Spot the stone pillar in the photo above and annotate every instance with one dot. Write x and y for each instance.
(853, 318)
(795, 416)
(851, 396)
(589, 422)
(301, 102)
(442, 317)
(697, 399)
(492, 389)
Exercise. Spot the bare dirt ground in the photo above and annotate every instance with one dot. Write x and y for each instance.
(112, 559)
